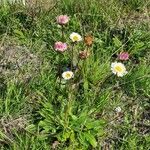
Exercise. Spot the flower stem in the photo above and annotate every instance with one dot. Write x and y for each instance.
(69, 102)
(59, 70)
(72, 56)
(62, 32)
(60, 66)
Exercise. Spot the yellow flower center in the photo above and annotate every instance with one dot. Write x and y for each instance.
(75, 38)
(118, 69)
(68, 75)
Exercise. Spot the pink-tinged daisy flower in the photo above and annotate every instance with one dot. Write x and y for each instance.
(119, 69)
(62, 19)
(123, 56)
(60, 46)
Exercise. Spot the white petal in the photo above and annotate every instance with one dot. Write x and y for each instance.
(120, 74)
(113, 64)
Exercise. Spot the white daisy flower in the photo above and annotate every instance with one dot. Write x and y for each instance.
(67, 75)
(75, 37)
(118, 109)
(118, 69)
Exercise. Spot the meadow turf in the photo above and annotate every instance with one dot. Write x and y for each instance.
(39, 113)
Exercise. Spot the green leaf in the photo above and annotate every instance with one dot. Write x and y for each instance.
(72, 136)
(90, 138)
(74, 117)
(31, 128)
(86, 85)
(95, 124)
(63, 136)
(19, 33)
(82, 140)
(42, 137)
(47, 126)
(117, 42)
(139, 44)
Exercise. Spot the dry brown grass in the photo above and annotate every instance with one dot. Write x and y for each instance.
(46, 4)
(17, 62)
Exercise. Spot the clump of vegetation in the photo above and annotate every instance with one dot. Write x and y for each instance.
(75, 75)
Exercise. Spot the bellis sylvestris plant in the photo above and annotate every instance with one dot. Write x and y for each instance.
(76, 79)
(119, 69)
(60, 46)
(75, 37)
(62, 19)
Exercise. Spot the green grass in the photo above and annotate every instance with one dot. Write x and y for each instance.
(38, 113)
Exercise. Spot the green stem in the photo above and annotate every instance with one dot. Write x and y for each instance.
(69, 103)
(60, 66)
(72, 56)
(59, 70)
(62, 32)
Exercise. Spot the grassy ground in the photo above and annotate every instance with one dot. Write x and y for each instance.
(38, 113)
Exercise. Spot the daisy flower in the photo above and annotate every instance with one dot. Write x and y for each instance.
(118, 69)
(84, 54)
(62, 19)
(118, 109)
(67, 75)
(75, 37)
(123, 56)
(88, 40)
(60, 47)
